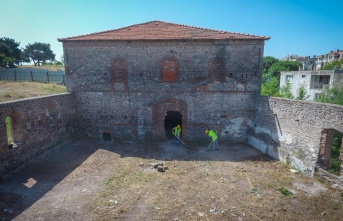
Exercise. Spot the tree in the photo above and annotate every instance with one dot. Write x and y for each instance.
(277, 67)
(302, 93)
(332, 95)
(268, 61)
(334, 65)
(10, 54)
(271, 74)
(39, 53)
(286, 90)
(270, 87)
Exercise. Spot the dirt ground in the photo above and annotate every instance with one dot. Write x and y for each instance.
(90, 180)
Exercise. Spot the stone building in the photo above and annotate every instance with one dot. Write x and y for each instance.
(145, 79)
(142, 80)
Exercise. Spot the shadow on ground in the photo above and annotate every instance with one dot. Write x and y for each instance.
(34, 182)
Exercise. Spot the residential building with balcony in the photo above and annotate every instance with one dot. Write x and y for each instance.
(314, 82)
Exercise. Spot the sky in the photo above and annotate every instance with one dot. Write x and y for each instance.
(302, 27)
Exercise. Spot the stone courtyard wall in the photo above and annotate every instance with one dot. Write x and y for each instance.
(37, 125)
(292, 131)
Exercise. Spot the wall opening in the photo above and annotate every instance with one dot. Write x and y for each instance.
(9, 131)
(169, 69)
(106, 136)
(331, 151)
(159, 112)
(119, 74)
(171, 120)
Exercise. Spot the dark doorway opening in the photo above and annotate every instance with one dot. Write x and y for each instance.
(171, 120)
(106, 136)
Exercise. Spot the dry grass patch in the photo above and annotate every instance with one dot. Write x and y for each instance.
(19, 90)
(210, 190)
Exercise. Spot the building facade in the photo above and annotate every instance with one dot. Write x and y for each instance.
(307, 63)
(147, 78)
(314, 82)
(322, 60)
(317, 61)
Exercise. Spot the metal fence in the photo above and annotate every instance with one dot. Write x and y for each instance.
(32, 74)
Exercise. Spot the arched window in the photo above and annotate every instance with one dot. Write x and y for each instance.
(169, 70)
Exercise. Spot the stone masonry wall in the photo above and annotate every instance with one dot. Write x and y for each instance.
(88, 64)
(291, 130)
(215, 87)
(228, 114)
(37, 124)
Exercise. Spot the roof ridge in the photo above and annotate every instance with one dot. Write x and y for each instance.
(209, 29)
(219, 32)
(101, 32)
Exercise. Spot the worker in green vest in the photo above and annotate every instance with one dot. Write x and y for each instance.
(214, 138)
(177, 131)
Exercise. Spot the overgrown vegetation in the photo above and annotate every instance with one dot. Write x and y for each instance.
(302, 93)
(272, 68)
(286, 91)
(335, 163)
(334, 65)
(9, 130)
(332, 95)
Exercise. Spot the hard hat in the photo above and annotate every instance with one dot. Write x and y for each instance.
(206, 131)
(178, 126)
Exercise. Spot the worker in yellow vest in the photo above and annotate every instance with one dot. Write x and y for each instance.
(214, 138)
(177, 131)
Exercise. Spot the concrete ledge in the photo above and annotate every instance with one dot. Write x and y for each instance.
(332, 178)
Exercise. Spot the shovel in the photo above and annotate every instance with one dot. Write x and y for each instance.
(181, 141)
(208, 148)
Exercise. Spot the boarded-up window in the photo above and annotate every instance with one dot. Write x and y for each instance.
(119, 74)
(169, 69)
(119, 70)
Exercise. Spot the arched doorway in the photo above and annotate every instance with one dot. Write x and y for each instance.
(171, 120)
(176, 112)
(331, 151)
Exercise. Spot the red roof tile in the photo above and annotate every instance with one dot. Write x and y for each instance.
(158, 30)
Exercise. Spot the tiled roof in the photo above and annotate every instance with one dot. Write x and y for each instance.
(158, 30)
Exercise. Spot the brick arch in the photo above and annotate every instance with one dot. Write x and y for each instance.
(325, 145)
(159, 111)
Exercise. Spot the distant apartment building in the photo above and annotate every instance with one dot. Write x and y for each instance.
(307, 62)
(322, 60)
(317, 61)
(314, 82)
